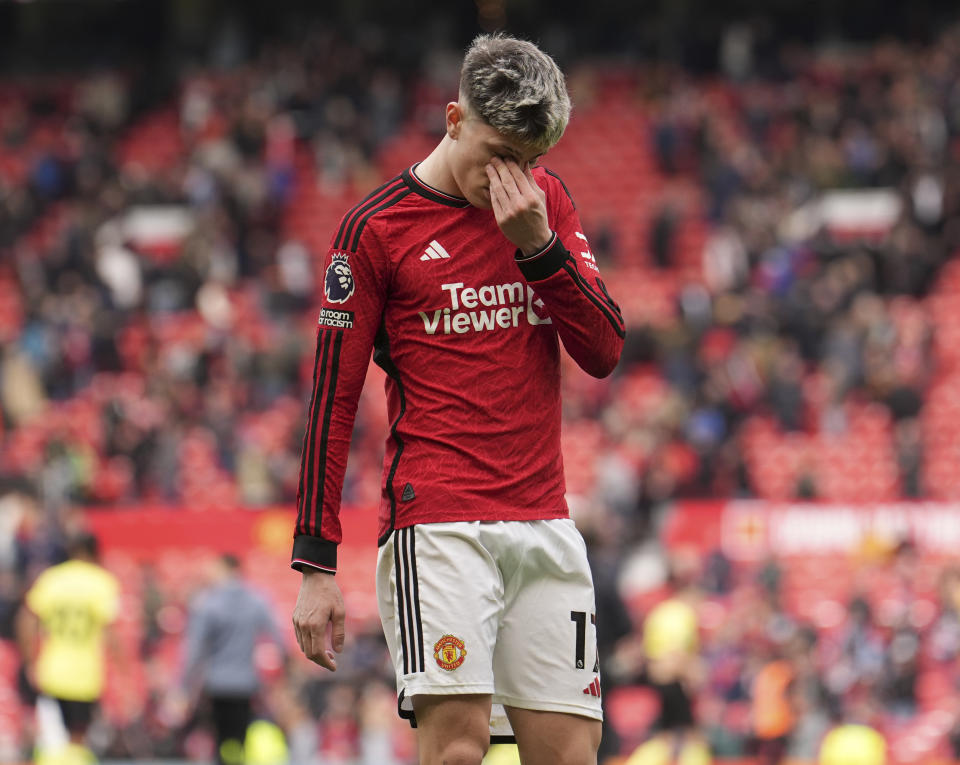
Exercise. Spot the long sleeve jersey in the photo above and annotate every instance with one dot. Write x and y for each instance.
(468, 331)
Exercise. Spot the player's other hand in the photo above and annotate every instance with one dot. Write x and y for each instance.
(519, 205)
(318, 618)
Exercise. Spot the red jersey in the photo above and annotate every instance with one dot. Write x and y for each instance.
(468, 331)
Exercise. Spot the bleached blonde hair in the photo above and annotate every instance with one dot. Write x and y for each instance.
(516, 88)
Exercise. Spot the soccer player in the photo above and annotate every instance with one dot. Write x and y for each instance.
(71, 606)
(671, 664)
(464, 274)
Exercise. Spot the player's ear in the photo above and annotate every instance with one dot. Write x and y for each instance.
(454, 119)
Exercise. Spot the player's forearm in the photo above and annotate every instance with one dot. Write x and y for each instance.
(341, 366)
(586, 317)
(323, 465)
(28, 635)
(192, 652)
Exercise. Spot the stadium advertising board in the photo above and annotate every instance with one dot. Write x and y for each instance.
(751, 530)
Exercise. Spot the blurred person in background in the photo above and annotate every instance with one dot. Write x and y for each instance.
(602, 532)
(62, 633)
(772, 708)
(671, 665)
(853, 742)
(485, 590)
(226, 622)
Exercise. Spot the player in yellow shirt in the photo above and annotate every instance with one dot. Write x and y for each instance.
(852, 744)
(672, 667)
(62, 633)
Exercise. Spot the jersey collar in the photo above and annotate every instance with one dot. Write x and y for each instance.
(429, 192)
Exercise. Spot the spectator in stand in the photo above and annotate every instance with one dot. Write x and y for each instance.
(773, 710)
(861, 649)
(944, 636)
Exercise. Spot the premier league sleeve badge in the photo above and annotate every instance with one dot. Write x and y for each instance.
(338, 283)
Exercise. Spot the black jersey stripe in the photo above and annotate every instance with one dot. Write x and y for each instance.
(306, 444)
(603, 295)
(391, 200)
(416, 597)
(310, 511)
(364, 213)
(398, 575)
(357, 209)
(364, 209)
(569, 195)
(327, 417)
(362, 206)
(323, 348)
(382, 358)
(610, 300)
(612, 314)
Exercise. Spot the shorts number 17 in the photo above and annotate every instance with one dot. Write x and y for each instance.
(580, 619)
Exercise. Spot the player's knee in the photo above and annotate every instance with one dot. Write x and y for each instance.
(461, 751)
(577, 750)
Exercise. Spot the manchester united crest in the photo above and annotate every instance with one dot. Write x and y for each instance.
(449, 651)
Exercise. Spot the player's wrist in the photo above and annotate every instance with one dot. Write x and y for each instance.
(311, 572)
(545, 263)
(537, 245)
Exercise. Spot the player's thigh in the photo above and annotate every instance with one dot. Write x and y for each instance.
(554, 738)
(546, 654)
(452, 729)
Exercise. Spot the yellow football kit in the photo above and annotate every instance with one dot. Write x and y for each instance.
(74, 601)
(853, 745)
(671, 627)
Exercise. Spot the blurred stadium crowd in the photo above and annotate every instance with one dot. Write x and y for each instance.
(157, 284)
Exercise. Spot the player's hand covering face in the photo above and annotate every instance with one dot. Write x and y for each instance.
(519, 205)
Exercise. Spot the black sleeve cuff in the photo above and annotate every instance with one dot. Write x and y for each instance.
(312, 552)
(545, 263)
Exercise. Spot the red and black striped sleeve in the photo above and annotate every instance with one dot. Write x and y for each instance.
(356, 275)
(566, 277)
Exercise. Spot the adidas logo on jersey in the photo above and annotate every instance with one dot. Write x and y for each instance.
(434, 251)
(593, 689)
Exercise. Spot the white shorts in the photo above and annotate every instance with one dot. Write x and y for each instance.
(503, 608)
